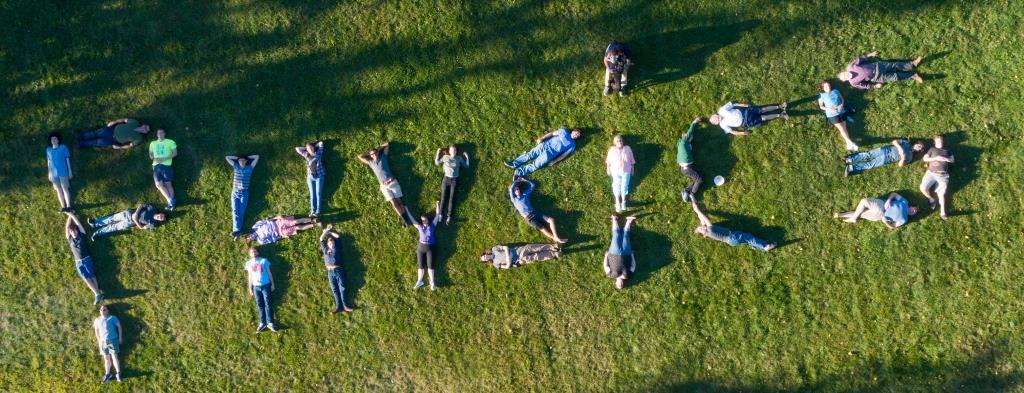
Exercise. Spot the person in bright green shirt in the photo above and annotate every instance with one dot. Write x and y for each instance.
(162, 151)
(684, 157)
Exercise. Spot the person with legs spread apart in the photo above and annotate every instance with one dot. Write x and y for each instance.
(619, 165)
(894, 211)
(506, 257)
(616, 68)
(109, 336)
(684, 157)
(425, 249)
(313, 154)
(377, 160)
(75, 233)
(270, 230)
(260, 282)
(900, 150)
(450, 162)
(118, 134)
(143, 217)
(938, 159)
(831, 101)
(863, 73)
(619, 261)
(551, 149)
(747, 116)
(162, 151)
(58, 163)
(243, 166)
(329, 248)
(519, 192)
(724, 235)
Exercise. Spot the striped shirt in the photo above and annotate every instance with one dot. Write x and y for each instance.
(242, 176)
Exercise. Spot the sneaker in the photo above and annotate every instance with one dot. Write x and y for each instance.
(432, 286)
(91, 222)
(271, 327)
(784, 116)
(335, 311)
(97, 299)
(847, 170)
(236, 234)
(932, 204)
(607, 91)
(313, 215)
(419, 284)
(769, 247)
(118, 376)
(686, 196)
(622, 92)
(783, 106)
(261, 328)
(347, 309)
(169, 208)
(92, 237)
(448, 220)
(852, 147)
(510, 164)
(107, 378)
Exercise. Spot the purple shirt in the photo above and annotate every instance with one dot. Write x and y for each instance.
(426, 233)
(861, 72)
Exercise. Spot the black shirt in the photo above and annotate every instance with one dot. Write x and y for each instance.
(618, 265)
(940, 167)
(78, 247)
(146, 216)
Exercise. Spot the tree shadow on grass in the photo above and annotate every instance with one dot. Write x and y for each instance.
(652, 250)
(667, 57)
(753, 225)
(132, 329)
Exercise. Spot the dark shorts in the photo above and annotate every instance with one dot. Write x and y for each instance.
(163, 173)
(537, 220)
(751, 117)
(837, 119)
(85, 268)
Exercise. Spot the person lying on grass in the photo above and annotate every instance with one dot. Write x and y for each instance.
(519, 192)
(109, 337)
(242, 166)
(58, 164)
(143, 217)
(899, 150)
(329, 249)
(260, 282)
(162, 151)
(425, 249)
(377, 160)
(313, 154)
(75, 233)
(451, 162)
(831, 101)
(619, 166)
(863, 73)
(551, 149)
(506, 257)
(747, 116)
(732, 238)
(893, 211)
(937, 160)
(684, 157)
(118, 134)
(270, 230)
(619, 261)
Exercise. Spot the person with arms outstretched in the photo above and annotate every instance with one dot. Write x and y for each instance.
(242, 166)
(75, 233)
(377, 160)
(551, 149)
(329, 249)
(450, 162)
(519, 192)
(425, 249)
(733, 238)
(109, 336)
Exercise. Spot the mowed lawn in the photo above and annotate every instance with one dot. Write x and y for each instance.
(933, 306)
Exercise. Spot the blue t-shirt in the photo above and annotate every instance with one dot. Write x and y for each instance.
(896, 214)
(522, 203)
(831, 100)
(242, 176)
(892, 154)
(561, 142)
(108, 328)
(259, 271)
(426, 233)
(57, 160)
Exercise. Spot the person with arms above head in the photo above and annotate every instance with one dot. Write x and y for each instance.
(118, 134)
(75, 233)
(831, 101)
(143, 217)
(450, 162)
(684, 157)
(109, 336)
(377, 160)
(619, 262)
(619, 165)
(242, 166)
(270, 230)
(507, 257)
(894, 211)
(937, 160)
(425, 250)
(724, 235)
(260, 282)
(551, 149)
(616, 68)
(866, 73)
(58, 165)
(313, 154)
(519, 192)
(899, 150)
(329, 249)
(162, 151)
(747, 116)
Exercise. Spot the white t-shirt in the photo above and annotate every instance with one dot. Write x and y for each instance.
(731, 117)
(259, 271)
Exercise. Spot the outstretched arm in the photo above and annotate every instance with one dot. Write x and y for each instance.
(385, 148)
(437, 157)
(72, 218)
(704, 221)
(888, 201)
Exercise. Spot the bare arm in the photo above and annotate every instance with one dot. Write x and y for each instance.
(888, 201)
(545, 136)
(116, 122)
(739, 133)
(704, 221)
(385, 148)
(135, 217)
(437, 213)
(903, 156)
(632, 260)
(271, 275)
(740, 105)
(604, 264)
(364, 158)
(466, 156)
(437, 157)
(174, 152)
(73, 218)
(254, 158)
(301, 150)
(231, 160)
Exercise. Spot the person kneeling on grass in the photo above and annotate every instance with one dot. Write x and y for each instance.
(75, 234)
(329, 248)
(893, 212)
(377, 160)
(260, 282)
(619, 261)
(732, 238)
(143, 217)
(616, 68)
(864, 74)
(118, 134)
(748, 116)
(506, 257)
(425, 250)
(270, 230)
(243, 166)
(58, 161)
(109, 336)
(900, 150)
(519, 192)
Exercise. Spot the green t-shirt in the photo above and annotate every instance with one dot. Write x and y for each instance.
(684, 151)
(125, 132)
(161, 151)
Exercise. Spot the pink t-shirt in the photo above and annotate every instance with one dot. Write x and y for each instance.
(620, 160)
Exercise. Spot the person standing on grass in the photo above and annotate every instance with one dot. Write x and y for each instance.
(900, 150)
(619, 262)
(748, 116)
(243, 166)
(619, 165)
(313, 154)
(270, 230)
(894, 211)
(551, 149)
(506, 257)
(724, 235)
(377, 160)
(58, 163)
(109, 336)
(831, 101)
(616, 68)
(425, 250)
(937, 159)
(863, 73)
(684, 157)
(143, 217)
(118, 134)
(450, 162)
(260, 282)
(519, 192)
(75, 233)
(329, 248)
(162, 151)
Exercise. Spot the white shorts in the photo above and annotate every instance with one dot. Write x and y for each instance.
(937, 180)
(391, 190)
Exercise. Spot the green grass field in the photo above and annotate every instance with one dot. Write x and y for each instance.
(933, 306)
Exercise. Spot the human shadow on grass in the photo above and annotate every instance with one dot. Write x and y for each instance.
(108, 271)
(402, 164)
(751, 225)
(355, 270)
(131, 328)
(652, 250)
(711, 155)
(647, 156)
(334, 174)
(671, 56)
(965, 168)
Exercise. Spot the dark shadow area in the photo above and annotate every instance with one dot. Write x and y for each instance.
(337, 217)
(334, 174)
(965, 168)
(857, 123)
(466, 180)
(712, 156)
(108, 271)
(446, 246)
(355, 270)
(751, 225)
(647, 156)
(652, 250)
(667, 57)
(402, 165)
(927, 76)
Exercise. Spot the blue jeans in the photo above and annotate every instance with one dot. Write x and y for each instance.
(540, 156)
(863, 161)
(337, 282)
(101, 137)
(316, 186)
(740, 237)
(620, 184)
(620, 242)
(113, 223)
(262, 294)
(239, 200)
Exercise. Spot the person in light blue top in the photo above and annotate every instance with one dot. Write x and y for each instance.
(260, 283)
(899, 150)
(551, 149)
(519, 192)
(894, 211)
(58, 164)
(243, 166)
(109, 336)
(831, 101)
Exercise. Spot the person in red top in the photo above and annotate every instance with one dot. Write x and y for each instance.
(863, 73)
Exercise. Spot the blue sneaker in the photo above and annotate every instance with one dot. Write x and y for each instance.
(98, 299)
(510, 164)
(419, 284)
